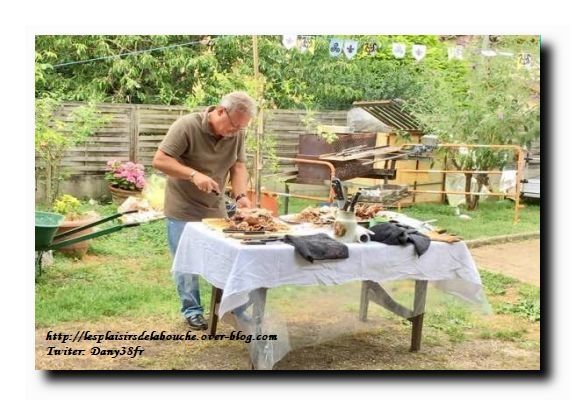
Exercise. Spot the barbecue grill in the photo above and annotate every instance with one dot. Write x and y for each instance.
(312, 147)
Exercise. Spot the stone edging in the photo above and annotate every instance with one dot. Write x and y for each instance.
(493, 240)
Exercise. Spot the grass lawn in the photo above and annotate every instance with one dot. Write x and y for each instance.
(492, 218)
(126, 275)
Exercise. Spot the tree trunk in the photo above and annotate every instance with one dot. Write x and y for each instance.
(473, 200)
(468, 197)
(48, 196)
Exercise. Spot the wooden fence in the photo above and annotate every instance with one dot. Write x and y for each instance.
(133, 132)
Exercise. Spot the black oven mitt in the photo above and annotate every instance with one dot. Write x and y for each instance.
(393, 233)
(317, 247)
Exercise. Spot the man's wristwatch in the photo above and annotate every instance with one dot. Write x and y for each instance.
(191, 175)
(242, 195)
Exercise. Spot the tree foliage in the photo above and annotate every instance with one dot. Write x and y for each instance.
(204, 68)
(491, 101)
(57, 132)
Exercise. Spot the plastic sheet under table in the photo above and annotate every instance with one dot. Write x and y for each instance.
(245, 272)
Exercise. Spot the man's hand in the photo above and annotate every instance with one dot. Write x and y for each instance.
(205, 183)
(244, 202)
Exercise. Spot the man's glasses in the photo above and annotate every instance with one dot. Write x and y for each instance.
(234, 126)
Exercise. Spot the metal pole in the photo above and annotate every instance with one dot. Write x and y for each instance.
(520, 166)
(259, 126)
(468, 145)
(451, 171)
(444, 179)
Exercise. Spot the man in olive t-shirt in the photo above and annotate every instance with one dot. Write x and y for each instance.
(197, 154)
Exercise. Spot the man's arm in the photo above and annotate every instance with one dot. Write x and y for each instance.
(239, 179)
(170, 166)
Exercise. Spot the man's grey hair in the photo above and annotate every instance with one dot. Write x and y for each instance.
(240, 102)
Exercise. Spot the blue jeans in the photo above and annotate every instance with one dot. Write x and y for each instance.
(188, 285)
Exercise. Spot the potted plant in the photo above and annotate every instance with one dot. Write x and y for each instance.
(125, 179)
(74, 217)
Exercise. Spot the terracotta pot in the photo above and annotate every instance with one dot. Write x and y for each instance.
(79, 249)
(119, 195)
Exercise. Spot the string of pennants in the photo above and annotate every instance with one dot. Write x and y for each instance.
(349, 48)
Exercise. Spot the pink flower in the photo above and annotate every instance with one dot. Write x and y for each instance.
(126, 175)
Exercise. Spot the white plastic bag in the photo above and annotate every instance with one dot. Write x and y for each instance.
(154, 192)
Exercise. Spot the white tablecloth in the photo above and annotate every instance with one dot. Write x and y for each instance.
(238, 269)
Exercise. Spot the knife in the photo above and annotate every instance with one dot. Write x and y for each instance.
(354, 200)
(338, 191)
(244, 232)
(260, 241)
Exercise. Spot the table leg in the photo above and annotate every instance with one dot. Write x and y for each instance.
(259, 307)
(258, 310)
(372, 291)
(363, 301)
(419, 311)
(286, 199)
(214, 307)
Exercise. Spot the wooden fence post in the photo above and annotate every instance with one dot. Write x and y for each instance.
(134, 133)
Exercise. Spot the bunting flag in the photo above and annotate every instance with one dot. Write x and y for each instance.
(418, 52)
(455, 52)
(398, 50)
(306, 44)
(370, 48)
(525, 60)
(335, 47)
(289, 41)
(349, 48)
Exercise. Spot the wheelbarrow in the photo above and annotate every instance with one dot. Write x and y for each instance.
(47, 224)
